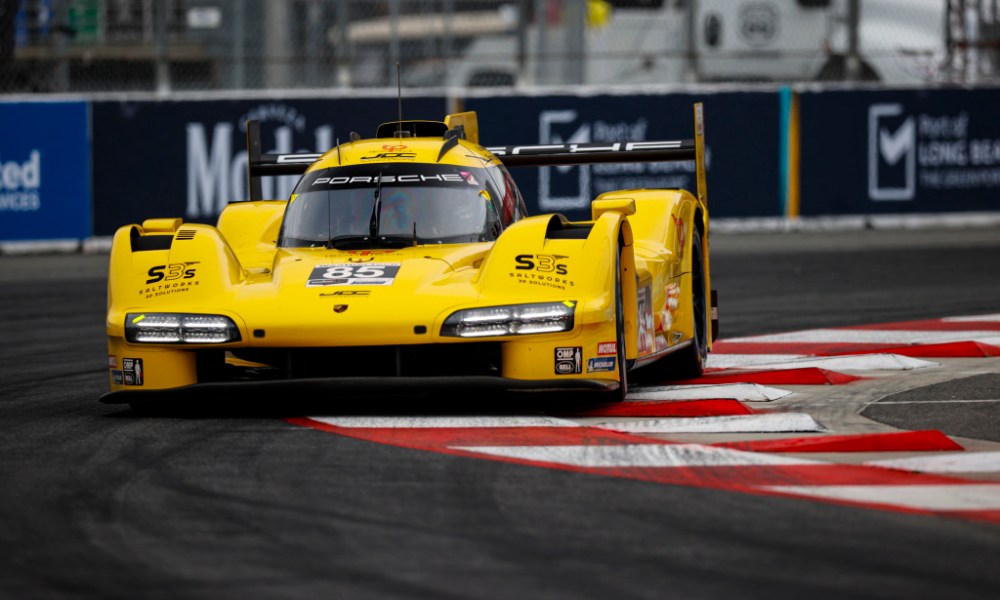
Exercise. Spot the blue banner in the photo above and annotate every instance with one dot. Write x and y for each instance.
(741, 134)
(188, 158)
(900, 151)
(44, 171)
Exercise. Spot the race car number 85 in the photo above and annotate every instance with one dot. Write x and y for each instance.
(348, 271)
(353, 274)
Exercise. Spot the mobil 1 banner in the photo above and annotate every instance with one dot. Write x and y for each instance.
(188, 158)
(900, 151)
(741, 133)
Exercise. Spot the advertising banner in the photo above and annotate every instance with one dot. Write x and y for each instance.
(741, 134)
(188, 158)
(900, 151)
(44, 171)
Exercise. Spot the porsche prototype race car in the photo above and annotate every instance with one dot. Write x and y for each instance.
(408, 261)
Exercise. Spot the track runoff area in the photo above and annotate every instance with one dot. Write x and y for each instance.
(841, 415)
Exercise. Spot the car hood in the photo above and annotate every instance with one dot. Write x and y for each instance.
(360, 297)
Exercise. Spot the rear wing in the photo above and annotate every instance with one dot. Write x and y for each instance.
(549, 155)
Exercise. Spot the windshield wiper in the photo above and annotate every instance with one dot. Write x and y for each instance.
(360, 242)
(376, 208)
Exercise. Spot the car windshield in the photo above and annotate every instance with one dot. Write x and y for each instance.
(396, 203)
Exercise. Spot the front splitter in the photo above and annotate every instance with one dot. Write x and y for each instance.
(348, 386)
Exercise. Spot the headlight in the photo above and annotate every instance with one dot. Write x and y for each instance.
(516, 319)
(178, 328)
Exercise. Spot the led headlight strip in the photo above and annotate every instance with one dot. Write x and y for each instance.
(180, 328)
(514, 319)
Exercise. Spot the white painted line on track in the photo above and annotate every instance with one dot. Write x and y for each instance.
(735, 361)
(867, 336)
(973, 318)
(984, 496)
(946, 400)
(761, 423)
(854, 362)
(637, 455)
(748, 392)
(965, 462)
(379, 422)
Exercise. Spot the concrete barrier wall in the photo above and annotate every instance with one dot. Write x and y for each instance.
(76, 169)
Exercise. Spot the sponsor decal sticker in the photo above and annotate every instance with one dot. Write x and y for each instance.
(645, 307)
(116, 377)
(542, 270)
(607, 349)
(170, 279)
(391, 156)
(353, 274)
(132, 372)
(543, 263)
(605, 363)
(356, 293)
(112, 361)
(569, 360)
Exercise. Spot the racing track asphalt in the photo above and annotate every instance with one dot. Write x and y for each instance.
(233, 502)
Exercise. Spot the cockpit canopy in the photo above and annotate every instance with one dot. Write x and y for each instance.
(396, 204)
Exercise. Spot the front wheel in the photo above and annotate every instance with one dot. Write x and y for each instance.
(619, 394)
(689, 361)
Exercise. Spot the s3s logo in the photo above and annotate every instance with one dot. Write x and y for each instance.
(170, 272)
(543, 263)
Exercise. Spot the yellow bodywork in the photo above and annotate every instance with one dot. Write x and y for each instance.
(235, 269)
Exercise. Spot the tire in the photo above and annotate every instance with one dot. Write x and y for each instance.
(689, 362)
(619, 394)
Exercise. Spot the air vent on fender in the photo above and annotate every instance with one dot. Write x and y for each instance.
(185, 234)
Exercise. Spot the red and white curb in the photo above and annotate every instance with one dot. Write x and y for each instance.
(615, 440)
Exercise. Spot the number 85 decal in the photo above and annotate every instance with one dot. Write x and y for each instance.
(351, 271)
(353, 274)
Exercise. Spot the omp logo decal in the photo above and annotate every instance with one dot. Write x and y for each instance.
(20, 182)
(892, 153)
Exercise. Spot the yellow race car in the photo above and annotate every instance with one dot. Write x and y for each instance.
(407, 261)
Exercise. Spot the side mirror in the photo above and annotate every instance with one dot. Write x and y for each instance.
(625, 206)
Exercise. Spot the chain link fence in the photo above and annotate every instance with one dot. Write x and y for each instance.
(89, 46)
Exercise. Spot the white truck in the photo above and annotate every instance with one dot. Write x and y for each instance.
(898, 41)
